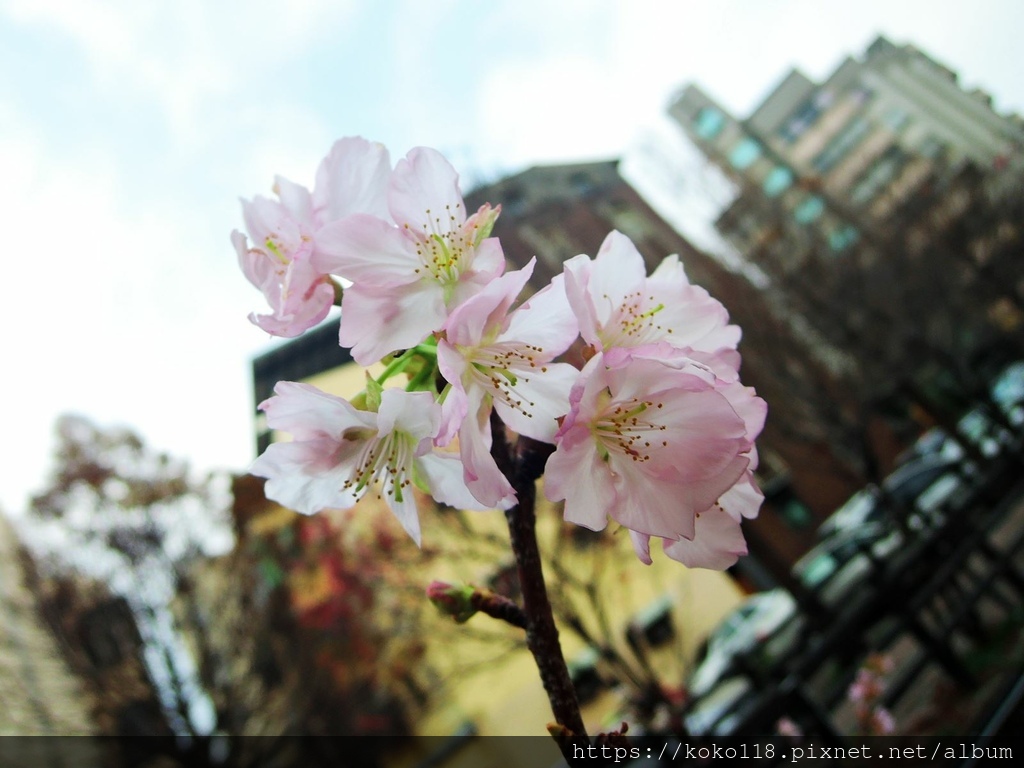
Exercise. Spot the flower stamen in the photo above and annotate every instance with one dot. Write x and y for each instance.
(622, 430)
(501, 368)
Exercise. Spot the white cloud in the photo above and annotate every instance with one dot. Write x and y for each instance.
(125, 302)
(550, 109)
(185, 54)
(738, 50)
(116, 314)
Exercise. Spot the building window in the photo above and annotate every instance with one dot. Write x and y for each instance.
(709, 122)
(513, 201)
(744, 154)
(879, 176)
(809, 210)
(795, 514)
(896, 119)
(584, 675)
(931, 147)
(778, 181)
(842, 238)
(631, 223)
(862, 95)
(806, 116)
(838, 148)
(582, 183)
(653, 626)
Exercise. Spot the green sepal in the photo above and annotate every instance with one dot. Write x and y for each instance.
(373, 394)
(455, 600)
(485, 226)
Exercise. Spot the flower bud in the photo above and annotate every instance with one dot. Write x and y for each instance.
(455, 600)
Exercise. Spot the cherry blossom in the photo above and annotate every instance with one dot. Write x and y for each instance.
(340, 453)
(618, 305)
(649, 442)
(494, 357)
(656, 432)
(410, 270)
(352, 178)
(279, 265)
(718, 539)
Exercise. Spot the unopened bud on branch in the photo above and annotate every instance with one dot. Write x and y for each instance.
(455, 600)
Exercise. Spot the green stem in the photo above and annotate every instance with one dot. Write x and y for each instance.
(427, 374)
(396, 365)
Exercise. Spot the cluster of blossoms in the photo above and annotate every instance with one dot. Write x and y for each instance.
(655, 432)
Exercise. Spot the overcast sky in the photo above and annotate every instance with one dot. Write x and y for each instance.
(128, 131)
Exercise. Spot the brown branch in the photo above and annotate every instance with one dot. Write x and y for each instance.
(498, 607)
(522, 470)
(463, 601)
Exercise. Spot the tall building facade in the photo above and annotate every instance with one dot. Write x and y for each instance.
(883, 206)
(851, 152)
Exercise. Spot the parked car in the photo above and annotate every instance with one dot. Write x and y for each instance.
(982, 431)
(975, 427)
(923, 487)
(768, 618)
(1008, 392)
(834, 567)
(934, 441)
(863, 507)
(920, 486)
(722, 709)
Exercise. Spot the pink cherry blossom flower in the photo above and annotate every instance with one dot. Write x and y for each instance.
(339, 453)
(718, 539)
(786, 726)
(352, 178)
(649, 442)
(881, 723)
(618, 305)
(279, 265)
(496, 358)
(408, 275)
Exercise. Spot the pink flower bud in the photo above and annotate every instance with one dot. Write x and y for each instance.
(455, 600)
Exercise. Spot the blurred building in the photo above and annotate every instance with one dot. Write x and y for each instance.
(850, 153)
(882, 209)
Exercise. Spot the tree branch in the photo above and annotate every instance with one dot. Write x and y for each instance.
(522, 470)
